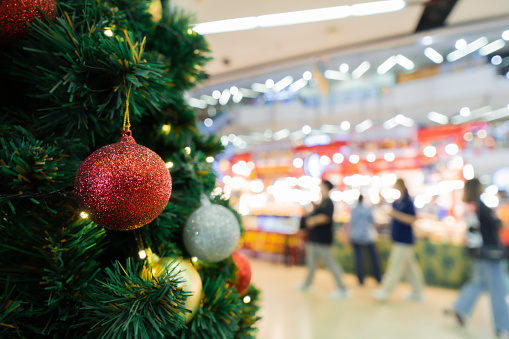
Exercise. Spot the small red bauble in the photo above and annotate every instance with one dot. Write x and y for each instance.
(243, 273)
(16, 14)
(123, 186)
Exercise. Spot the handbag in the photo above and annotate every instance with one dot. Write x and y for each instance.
(475, 243)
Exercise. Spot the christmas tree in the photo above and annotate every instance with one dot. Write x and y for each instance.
(76, 75)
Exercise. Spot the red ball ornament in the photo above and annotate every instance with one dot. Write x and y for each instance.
(123, 186)
(243, 272)
(15, 14)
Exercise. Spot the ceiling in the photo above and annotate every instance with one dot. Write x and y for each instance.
(237, 53)
(253, 56)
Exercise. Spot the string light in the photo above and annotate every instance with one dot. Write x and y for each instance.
(108, 32)
(247, 299)
(142, 254)
(210, 159)
(188, 150)
(84, 215)
(194, 259)
(169, 164)
(167, 128)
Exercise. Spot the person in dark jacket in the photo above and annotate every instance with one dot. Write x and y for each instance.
(488, 273)
(402, 260)
(318, 225)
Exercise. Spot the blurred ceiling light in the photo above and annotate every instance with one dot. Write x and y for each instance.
(497, 114)
(460, 44)
(281, 134)
(475, 114)
(248, 93)
(433, 55)
(371, 157)
(299, 17)
(492, 47)
(281, 84)
(438, 118)
(391, 123)
(216, 94)
(403, 120)
(234, 90)
(193, 102)
(237, 97)
(225, 96)
(335, 75)
(465, 111)
(298, 85)
(259, 88)
(331, 129)
(427, 40)
(306, 129)
(505, 35)
(359, 71)
(387, 65)
(230, 25)
(297, 135)
(470, 48)
(307, 75)
(496, 60)
(208, 122)
(343, 68)
(209, 100)
(269, 83)
(268, 133)
(404, 62)
(364, 126)
(345, 125)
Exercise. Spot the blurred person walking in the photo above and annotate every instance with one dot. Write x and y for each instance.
(487, 252)
(402, 260)
(363, 234)
(318, 225)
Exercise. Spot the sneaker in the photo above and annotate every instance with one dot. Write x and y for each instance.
(380, 295)
(341, 294)
(303, 288)
(459, 318)
(414, 298)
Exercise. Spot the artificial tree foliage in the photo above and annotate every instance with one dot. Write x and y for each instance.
(67, 84)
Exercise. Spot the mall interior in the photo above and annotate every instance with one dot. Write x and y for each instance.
(358, 94)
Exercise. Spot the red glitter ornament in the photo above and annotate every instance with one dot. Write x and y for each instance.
(123, 186)
(243, 272)
(15, 14)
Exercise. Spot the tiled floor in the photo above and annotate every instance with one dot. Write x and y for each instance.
(290, 314)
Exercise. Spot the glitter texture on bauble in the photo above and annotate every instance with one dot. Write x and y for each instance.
(16, 14)
(212, 232)
(123, 186)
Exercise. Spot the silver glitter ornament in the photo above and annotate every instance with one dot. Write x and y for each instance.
(211, 232)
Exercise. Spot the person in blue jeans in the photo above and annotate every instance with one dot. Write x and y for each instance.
(488, 273)
(363, 234)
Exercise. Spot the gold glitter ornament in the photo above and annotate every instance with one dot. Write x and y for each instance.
(123, 186)
(184, 271)
(16, 14)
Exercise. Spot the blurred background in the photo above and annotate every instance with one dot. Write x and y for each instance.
(358, 94)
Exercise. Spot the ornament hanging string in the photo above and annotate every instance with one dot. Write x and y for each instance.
(127, 123)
